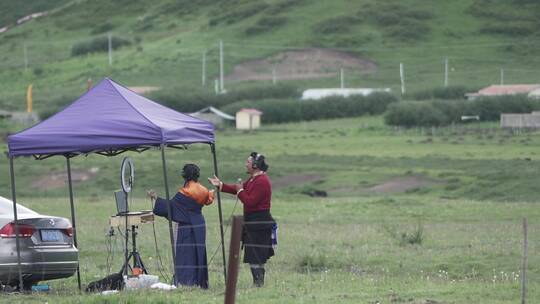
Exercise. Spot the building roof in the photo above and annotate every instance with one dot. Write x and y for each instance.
(494, 90)
(323, 93)
(215, 111)
(251, 111)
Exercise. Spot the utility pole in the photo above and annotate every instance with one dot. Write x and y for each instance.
(221, 85)
(25, 58)
(401, 76)
(274, 80)
(445, 72)
(502, 76)
(110, 48)
(342, 78)
(204, 69)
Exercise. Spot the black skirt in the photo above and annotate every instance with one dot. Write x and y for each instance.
(257, 237)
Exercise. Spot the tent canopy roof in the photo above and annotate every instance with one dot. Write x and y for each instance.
(107, 118)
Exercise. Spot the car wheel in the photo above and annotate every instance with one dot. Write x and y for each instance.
(27, 285)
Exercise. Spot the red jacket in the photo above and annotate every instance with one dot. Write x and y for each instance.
(256, 195)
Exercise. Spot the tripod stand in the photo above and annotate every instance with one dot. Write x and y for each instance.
(137, 261)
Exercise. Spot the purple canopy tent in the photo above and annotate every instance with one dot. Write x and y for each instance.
(108, 120)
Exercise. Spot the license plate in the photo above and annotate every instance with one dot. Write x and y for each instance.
(51, 235)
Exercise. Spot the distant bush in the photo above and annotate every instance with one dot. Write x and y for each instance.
(38, 71)
(238, 14)
(444, 112)
(103, 28)
(398, 21)
(410, 114)
(336, 25)
(387, 18)
(415, 237)
(99, 44)
(266, 24)
(314, 262)
(279, 111)
(178, 99)
(284, 5)
(450, 92)
(508, 29)
(409, 30)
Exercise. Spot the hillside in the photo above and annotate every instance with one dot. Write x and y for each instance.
(162, 43)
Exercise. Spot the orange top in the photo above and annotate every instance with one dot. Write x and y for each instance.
(198, 192)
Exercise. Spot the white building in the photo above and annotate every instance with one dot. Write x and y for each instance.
(322, 93)
(248, 119)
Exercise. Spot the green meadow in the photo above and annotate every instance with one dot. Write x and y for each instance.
(429, 215)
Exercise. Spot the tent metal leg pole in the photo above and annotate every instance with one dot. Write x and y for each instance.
(169, 208)
(213, 148)
(70, 185)
(16, 219)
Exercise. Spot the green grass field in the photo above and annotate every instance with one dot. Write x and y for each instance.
(454, 237)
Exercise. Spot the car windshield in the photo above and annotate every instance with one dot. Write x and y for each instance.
(6, 208)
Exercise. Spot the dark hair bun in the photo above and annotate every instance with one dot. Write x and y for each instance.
(191, 172)
(259, 161)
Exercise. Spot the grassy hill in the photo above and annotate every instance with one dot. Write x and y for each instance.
(164, 42)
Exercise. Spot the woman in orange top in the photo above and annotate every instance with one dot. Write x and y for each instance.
(191, 268)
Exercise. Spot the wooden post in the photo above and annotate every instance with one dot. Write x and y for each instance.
(234, 258)
(524, 265)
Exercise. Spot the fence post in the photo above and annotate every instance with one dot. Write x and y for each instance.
(109, 36)
(445, 72)
(234, 259)
(401, 76)
(204, 69)
(25, 57)
(524, 264)
(221, 84)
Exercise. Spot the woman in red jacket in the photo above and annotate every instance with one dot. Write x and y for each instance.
(255, 194)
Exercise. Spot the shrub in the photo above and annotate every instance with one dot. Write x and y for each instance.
(38, 71)
(239, 14)
(450, 92)
(314, 262)
(443, 112)
(408, 30)
(99, 44)
(103, 28)
(410, 114)
(415, 237)
(278, 111)
(266, 24)
(285, 5)
(335, 25)
(178, 99)
(508, 29)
